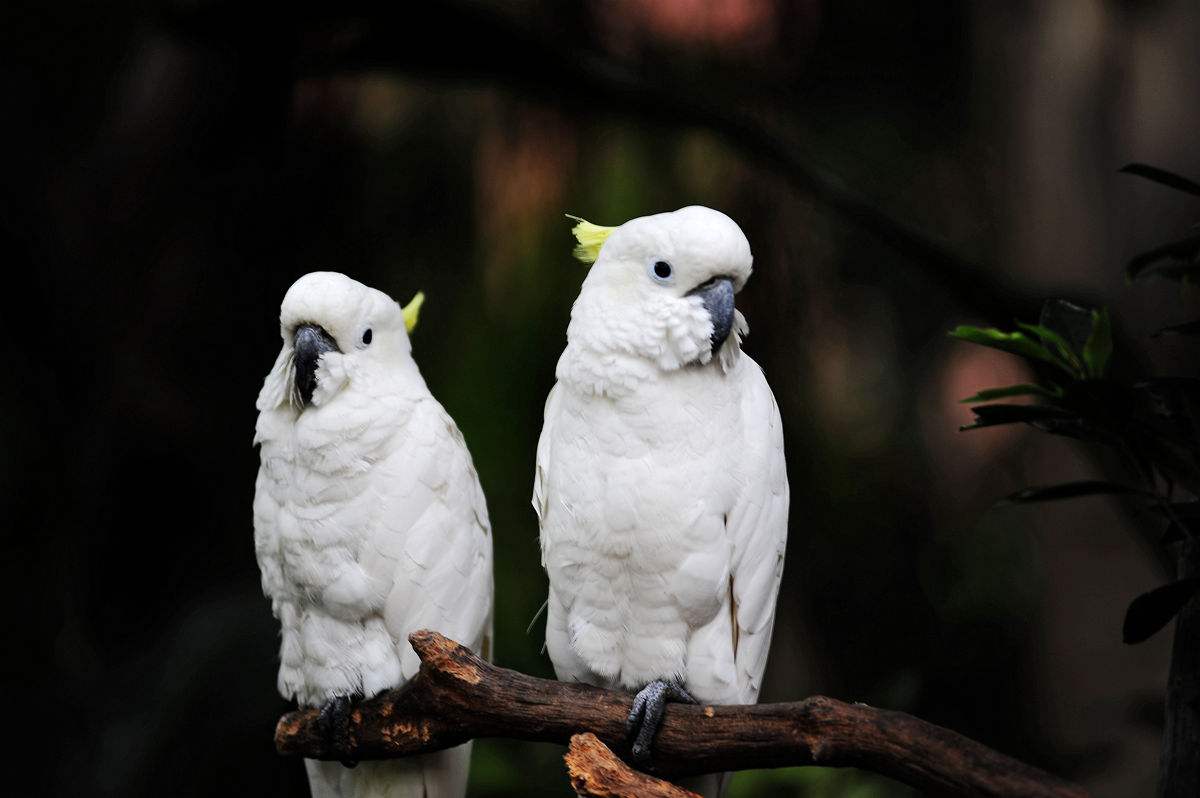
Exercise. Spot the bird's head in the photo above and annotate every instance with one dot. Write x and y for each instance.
(662, 287)
(335, 329)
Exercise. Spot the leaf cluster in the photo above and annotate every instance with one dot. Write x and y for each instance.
(1152, 423)
(1178, 259)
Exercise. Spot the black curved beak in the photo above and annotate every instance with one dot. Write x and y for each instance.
(717, 295)
(311, 341)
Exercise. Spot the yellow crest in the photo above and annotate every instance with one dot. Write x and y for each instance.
(590, 237)
(412, 310)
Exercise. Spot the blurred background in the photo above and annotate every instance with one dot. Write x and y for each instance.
(171, 167)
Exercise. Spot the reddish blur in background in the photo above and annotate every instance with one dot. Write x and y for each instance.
(899, 168)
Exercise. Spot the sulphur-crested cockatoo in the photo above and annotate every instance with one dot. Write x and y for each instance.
(369, 522)
(660, 483)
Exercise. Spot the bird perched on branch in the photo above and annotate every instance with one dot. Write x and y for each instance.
(369, 522)
(660, 483)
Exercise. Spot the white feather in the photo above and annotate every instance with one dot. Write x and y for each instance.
(660, 485)
(369, 524)
(660, 512)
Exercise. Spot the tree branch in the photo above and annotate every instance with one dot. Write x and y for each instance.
(456, 696)
(595, 771)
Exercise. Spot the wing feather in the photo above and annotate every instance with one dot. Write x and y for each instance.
(433, 551)
(542, 467)
(567, 664)
(757, 526)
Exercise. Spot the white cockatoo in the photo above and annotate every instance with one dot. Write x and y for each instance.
(369, 521)
(660, 483)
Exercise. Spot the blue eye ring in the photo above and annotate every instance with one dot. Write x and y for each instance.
(660, 272)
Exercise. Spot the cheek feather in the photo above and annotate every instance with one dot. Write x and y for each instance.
(279, 387)
(682, 329)
(332, 375)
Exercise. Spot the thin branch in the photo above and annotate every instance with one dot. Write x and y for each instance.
(456, 696)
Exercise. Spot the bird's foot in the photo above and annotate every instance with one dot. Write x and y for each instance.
(646, 715)
(334, 723)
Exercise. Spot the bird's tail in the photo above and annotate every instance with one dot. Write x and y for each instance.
(439, 775)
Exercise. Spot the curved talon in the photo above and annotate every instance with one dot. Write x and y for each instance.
(635, 714)
(647, 712)
(334, 723)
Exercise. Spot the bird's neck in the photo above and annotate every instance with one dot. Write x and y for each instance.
(607, 358)
(595, 372)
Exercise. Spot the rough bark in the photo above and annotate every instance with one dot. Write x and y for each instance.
(1180, 766)
(457, 696)
(596, 772)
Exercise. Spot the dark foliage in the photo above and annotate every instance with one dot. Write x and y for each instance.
(1178, 259)
(1152, 423)
(1152, 611)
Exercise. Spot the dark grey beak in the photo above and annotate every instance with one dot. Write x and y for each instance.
(717, 295)
(311, 341)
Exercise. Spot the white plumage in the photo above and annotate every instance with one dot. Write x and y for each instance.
(369, 523)
(661, 485)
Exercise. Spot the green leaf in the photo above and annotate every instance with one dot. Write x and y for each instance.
(1025, 389)
(1187, 328)
(1078, 429)
(1070, 490)
(1073, 322)
(1176, 260)
(1162, 176)
(995, 415)
(1069, 360)
(1015, 343)
(1098, 349)
(1152, 611)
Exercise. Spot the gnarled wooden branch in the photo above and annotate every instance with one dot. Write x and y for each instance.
(595, 771)
(457, 696)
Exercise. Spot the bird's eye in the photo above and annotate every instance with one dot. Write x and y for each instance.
(366, 337)
(661, 271)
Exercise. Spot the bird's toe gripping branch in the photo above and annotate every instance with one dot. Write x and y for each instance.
(646, 715)
(334, 725)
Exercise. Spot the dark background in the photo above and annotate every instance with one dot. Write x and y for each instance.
(899, 168)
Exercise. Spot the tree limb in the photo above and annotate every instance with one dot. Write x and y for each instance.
(456, 696)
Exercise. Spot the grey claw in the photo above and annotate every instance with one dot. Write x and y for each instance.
(646, 715)
(635, 714)
(334, 723)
